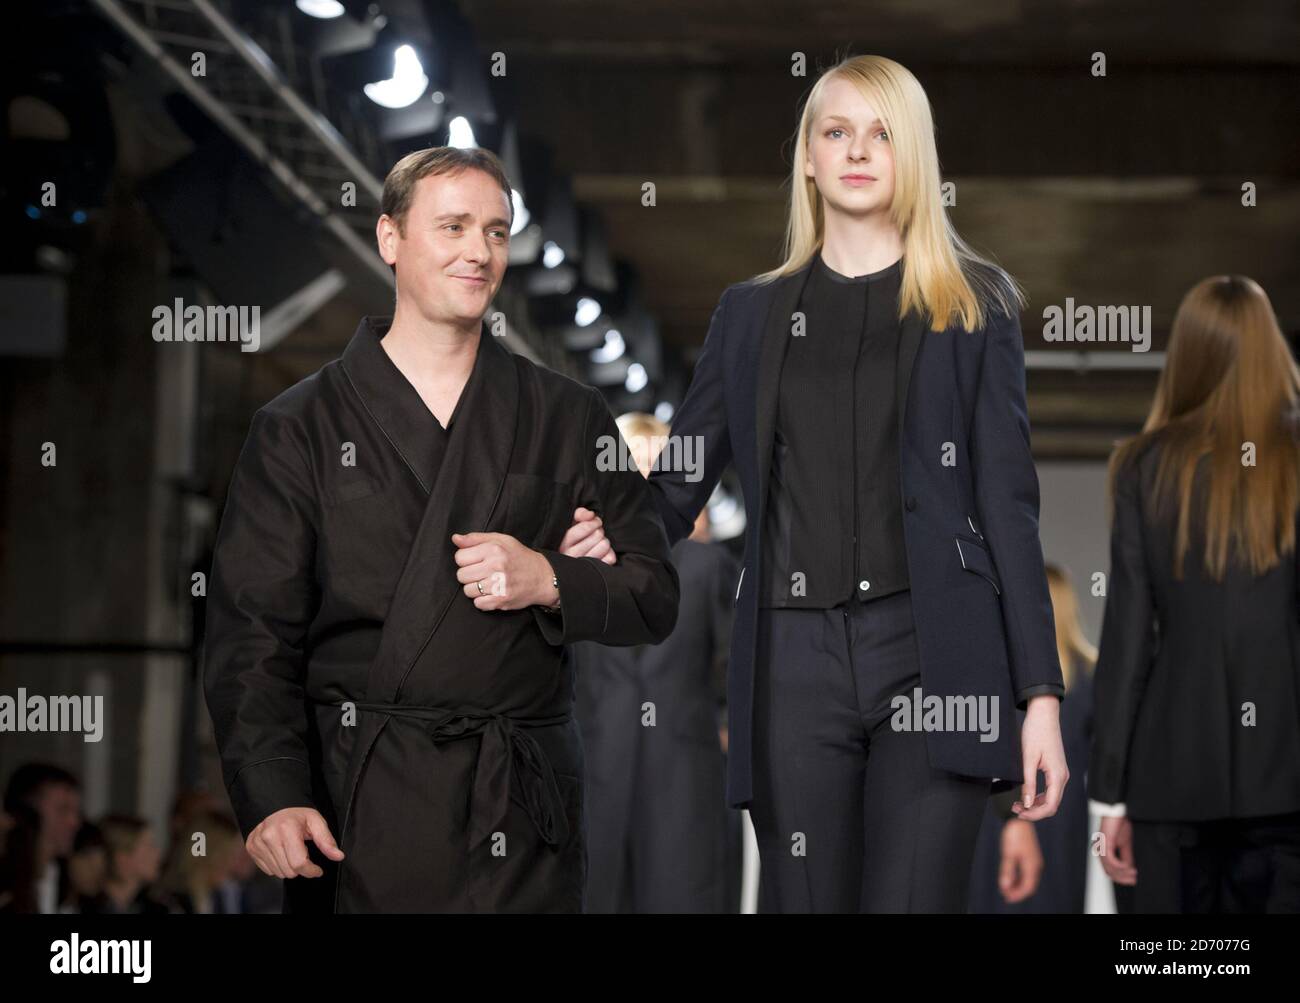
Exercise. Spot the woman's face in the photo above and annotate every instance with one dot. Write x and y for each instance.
(142, 861)
(86, 869)
(849, 153)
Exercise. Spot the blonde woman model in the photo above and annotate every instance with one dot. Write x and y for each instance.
(893, 610)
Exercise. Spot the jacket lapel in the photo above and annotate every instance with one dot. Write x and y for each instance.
(784, 300)
(461, 494)
(461, 498)
(913, 326)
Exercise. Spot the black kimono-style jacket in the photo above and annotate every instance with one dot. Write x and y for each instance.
(345, 668)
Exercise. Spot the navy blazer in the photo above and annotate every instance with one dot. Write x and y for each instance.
(983, 613)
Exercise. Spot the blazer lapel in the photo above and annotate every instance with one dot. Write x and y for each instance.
(774, 341)
(913, 326)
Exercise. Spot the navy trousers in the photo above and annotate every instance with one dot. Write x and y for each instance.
(1230, 865)
(850, 816)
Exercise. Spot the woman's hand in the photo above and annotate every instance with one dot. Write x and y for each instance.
(1040, 746)
(586, 538)
(1117, 850)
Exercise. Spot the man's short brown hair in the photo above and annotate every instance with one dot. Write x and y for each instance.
(399, 186)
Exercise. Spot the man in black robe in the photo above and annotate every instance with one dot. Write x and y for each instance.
(389, 602)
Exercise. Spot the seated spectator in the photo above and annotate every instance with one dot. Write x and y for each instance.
(133, 864)
(43, 806)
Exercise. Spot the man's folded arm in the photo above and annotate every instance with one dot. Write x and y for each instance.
(635, 600)
(261, 600)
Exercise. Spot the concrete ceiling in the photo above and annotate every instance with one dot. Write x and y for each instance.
(1123, 189)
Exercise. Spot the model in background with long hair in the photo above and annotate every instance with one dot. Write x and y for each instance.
(1196, 759)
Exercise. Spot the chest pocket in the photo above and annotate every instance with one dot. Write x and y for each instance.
(534, 510)
(350, 490)
(361, 547)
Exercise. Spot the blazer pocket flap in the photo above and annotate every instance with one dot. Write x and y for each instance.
(975, 557)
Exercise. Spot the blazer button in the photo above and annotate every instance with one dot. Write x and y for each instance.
(910, 503)
(864, 585)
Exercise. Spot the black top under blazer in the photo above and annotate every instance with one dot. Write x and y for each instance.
(983, 614)
(1198, 704)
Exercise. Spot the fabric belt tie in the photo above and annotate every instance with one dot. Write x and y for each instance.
(508, 757)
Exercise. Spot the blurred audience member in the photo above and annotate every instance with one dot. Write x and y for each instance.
(133, 864)
(85, 872)
(43, 804)
(192, 879)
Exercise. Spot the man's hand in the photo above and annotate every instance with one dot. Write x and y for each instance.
(499, 572)
(1117, 860)
(586, 537)
(1022, 861)
(279, 843)
(1040, 745)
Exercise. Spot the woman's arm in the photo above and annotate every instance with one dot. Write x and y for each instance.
(679, 495)
(1127, 645)
(1006, 496)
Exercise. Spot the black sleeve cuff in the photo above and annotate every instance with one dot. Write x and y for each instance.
(1023, 696)
(584, 601)
(1003, 800)
(261, 789)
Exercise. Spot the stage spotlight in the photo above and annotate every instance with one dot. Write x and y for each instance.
(522, 215)
(323, 9)
(406, 84)
(612, 350)
(587, 311)
(552, 254)
(460, 133)
(636, 378)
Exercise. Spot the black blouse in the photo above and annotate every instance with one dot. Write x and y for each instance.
(834, 525)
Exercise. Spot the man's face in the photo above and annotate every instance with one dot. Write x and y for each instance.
(451, 253)
(59, 807)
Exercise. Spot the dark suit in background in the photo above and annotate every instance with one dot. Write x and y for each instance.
(655, 796)
(1063, 838)
(1214, 798)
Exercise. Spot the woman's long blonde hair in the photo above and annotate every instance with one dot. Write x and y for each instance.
(943, 278)
(1071, 644)
(1229, 380)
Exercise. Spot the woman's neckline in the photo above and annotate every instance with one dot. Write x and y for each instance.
(869, 277)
